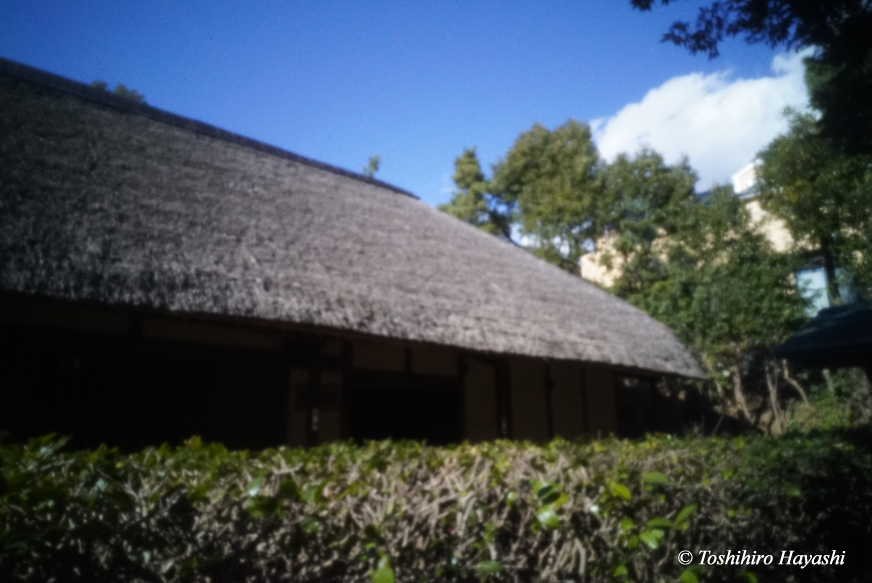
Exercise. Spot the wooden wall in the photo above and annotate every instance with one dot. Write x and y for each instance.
(155, 376)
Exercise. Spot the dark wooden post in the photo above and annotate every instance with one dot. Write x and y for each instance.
(504, 398)
(313, 392)
(549, 389)
(127, 424)
(462, 368)
(585, 411)
(346, 411)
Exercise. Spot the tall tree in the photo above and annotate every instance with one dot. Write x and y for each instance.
(473, 202)
(551, 179)
(552, 188)
(840, 72)
(823, 195)
(643, 202)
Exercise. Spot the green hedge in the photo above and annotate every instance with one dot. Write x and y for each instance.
(597, 511)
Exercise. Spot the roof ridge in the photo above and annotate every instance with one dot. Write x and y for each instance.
(107, 98)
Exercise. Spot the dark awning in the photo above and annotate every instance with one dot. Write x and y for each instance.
(836, 337)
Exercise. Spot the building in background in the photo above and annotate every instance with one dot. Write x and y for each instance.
(811, 280)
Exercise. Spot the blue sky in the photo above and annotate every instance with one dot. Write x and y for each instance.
(416, 82)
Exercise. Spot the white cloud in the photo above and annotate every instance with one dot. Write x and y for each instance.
(719, 122)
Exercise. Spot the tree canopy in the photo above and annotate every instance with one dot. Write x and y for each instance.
(839, 72)
(644, 201)
(824, 197)
(551, 179)
(561, 198)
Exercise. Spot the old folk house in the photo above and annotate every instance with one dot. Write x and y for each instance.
(160, 278)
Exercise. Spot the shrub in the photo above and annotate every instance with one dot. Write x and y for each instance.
(504, 511)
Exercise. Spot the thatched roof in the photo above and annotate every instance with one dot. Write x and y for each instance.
(115, 202)
(837, 336)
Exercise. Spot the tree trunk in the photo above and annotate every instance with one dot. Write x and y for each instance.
(772, 383)
(793, 382)
(739, 394)
(833, 294)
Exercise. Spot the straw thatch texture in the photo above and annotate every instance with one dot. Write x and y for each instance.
(124, 204)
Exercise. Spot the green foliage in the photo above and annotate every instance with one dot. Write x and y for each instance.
(403, 511)
(547, 185)
(644, 201)
(551, 178)
(554, 188)
(826, 413)
(121, 91)
(838, 399)
(473, 202)
(840, 87)
(718, 284)
(823, 195)
(643, 194)
(372, 166)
